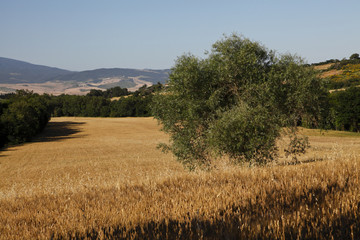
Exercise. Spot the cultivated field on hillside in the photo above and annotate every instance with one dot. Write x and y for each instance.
(73, 87)
(340, 77)
(104, 178)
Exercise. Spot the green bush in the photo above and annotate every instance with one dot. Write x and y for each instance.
(23, 116)
(235, 102)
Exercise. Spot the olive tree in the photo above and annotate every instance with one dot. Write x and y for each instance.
(236, 102)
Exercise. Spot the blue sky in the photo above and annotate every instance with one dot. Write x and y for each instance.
(90, 34)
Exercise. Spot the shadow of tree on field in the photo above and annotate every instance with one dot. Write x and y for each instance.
(5, 149)
(55, 131)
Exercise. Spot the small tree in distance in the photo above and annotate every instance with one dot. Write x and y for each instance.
(236, 102)
(354, 56)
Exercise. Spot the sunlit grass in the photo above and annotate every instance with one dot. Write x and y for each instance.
(104, 178)
(329, 133)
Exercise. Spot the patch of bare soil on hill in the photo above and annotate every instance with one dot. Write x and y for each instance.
(324, 66)
(331, 73)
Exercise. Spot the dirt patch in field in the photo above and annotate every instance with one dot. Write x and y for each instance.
(331, 73)
(323, 67)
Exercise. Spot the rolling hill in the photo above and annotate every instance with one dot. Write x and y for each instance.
(14, 71)
(16, 74)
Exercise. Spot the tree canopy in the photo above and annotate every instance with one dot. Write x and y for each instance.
(346, 109)
(354, 56)
(236, 102)
(22, 116)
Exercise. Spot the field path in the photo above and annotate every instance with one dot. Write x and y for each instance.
(75, 153)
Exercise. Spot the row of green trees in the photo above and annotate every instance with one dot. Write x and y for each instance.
(345, 109)
(97, 103)
(353, 59)
(91, 106)
(340, 110)
(22, 116)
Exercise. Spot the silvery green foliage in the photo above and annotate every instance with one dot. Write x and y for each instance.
(234, 102)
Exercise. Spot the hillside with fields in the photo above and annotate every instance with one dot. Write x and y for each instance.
(98, 178)
(340, 74)
(16, 75)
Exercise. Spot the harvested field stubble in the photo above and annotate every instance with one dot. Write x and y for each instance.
(124, 188)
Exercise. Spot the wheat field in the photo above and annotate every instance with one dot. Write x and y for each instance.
(101, 178)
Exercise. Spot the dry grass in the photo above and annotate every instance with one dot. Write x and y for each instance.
(103, 178)
(115, 98)
(118, 98)
(324, 66)
(327, 73)
(73, 154)
(331, 73)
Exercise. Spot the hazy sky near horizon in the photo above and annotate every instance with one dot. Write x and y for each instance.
(90, 34)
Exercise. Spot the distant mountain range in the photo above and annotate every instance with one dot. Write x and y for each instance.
(14, 71)
(16, 74)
